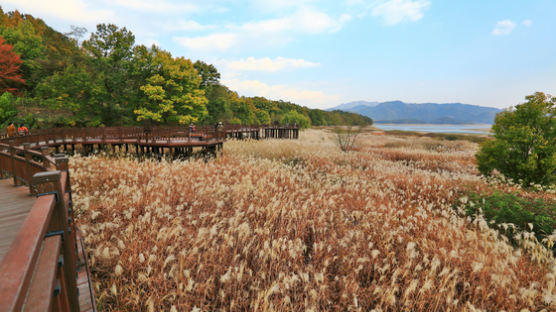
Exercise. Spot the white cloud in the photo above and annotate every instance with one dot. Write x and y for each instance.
(157, 6)
(504, 27)
(309, 98)
(527, 22)
(269, 5)
(150, 42)
(269, 32)
(267, 64)
(70, 10)
(397, 11)
(186, 25)
(216, 41)
(305, 20)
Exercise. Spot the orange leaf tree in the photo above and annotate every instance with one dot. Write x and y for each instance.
(10, 77)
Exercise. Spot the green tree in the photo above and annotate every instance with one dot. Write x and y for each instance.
(243, 110)
(172, 91)
(524, 145)
(8, 109)
(111, 51)
(293, 117)
(219, 98)
(74, 96)
(263, 117)
(209, 74)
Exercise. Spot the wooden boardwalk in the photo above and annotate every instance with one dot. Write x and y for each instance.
(15, 204)
(43, 266)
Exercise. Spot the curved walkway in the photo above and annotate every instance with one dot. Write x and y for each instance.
(42, 263)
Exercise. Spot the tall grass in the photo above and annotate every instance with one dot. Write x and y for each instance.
(299, 225)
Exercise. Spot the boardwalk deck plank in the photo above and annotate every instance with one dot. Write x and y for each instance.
(15, 204)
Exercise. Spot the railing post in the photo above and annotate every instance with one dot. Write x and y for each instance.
(44, 152)
(62, 165)
(26, 173)
(51, 182)
(12, 157)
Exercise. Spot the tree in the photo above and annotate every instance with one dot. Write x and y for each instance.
(111, 50)
(346, 137)
(524, 145)
(76, 32)
(22, 35)
(8, 109)
(263, 117)
(73, 95)
(173, 94)
(244, 109)
(10, 77)
(209, 74)
(294, 118)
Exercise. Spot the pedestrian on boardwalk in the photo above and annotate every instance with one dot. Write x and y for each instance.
(22, 130)
(10, 130)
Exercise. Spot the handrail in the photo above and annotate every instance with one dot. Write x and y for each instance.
(50, 215)
(18, 264)
(168, 133)
(61, 135)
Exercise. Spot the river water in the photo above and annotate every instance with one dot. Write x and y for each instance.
(438, 128)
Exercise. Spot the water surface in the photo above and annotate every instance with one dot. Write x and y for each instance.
(438, 128)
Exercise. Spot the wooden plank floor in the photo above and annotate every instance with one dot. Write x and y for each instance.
(85, 293)
(15, 204)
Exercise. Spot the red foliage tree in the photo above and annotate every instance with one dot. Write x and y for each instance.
(10, 77)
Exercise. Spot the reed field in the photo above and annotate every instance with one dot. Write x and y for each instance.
(299, 225)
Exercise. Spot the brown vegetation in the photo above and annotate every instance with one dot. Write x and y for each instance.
(293, 226)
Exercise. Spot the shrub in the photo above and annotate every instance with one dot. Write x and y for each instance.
(501, 208)
(346, 137)
(524, 148)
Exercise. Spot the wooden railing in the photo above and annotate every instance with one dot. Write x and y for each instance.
(158, 133)
(117, 133)
(38, 273)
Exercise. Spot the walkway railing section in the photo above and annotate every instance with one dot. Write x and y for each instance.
(262, 132)
(61, 135)
(38, 273)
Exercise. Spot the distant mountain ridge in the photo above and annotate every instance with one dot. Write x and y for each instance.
(431, 113)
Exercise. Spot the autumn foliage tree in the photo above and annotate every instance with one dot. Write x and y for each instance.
(10, 77)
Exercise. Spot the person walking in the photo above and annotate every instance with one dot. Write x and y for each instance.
(22, 130)
(10, 130)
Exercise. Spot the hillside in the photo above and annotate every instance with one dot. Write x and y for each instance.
(109, 80)
(400, 112)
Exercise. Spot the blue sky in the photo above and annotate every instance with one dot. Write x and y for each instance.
(323, 53)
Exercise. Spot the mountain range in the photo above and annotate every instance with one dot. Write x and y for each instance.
(428, 113)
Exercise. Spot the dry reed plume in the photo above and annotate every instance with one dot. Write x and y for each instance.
(301, 226)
